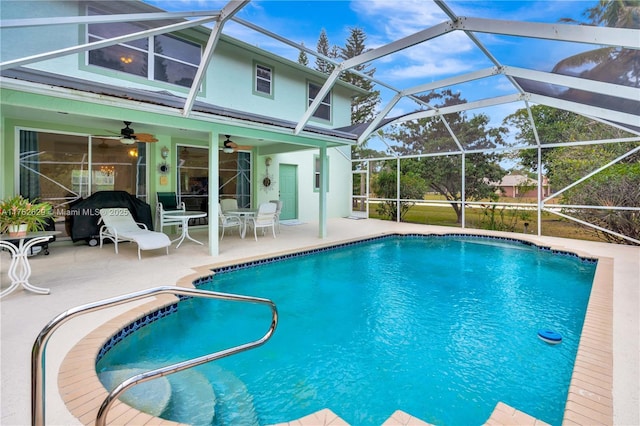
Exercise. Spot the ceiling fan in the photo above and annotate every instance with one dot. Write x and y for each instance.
(231, 147)
(128, 136)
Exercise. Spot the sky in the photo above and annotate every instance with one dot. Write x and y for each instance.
(384, 21)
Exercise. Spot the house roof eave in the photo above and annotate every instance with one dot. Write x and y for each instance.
(165, 99)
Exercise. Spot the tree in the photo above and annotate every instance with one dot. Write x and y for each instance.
(615, 13)
(324, 49)
(619, 185)
(363, 107)
(443, 174)
(608, 64)
(554, 126)
(565, 165)
(302, 57)
(384, 185)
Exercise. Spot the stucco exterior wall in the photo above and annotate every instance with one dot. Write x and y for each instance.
(338, 196)
(228, 82)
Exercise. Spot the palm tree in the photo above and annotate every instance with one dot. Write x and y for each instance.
(609, 64)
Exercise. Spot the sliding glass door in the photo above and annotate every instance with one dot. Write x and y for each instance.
(62, 168)
(235, 177)
(193, 179)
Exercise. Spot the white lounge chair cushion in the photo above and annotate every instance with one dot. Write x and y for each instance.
(147, 240)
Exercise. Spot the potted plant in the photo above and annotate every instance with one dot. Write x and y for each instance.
(19, 215)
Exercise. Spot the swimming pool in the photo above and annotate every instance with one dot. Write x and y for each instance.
(440, 327)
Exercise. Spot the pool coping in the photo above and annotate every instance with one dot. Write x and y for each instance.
(589, 398)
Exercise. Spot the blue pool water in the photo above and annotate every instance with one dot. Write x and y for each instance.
(442, 328)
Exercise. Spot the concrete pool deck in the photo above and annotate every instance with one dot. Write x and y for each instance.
(78, 274)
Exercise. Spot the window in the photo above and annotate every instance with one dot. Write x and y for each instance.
(161, 58)
(316, 173)
(264, 80)
(324, 109)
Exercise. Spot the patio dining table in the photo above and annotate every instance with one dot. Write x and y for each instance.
(244, 214)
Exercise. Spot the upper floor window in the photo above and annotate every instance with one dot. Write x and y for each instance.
(264, 79)
(324, 109)
(162, 57)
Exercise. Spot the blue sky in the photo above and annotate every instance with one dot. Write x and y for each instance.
(384, 21)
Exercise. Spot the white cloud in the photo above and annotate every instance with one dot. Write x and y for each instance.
(429, 68)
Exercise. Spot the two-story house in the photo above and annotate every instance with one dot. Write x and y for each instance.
(120, 95)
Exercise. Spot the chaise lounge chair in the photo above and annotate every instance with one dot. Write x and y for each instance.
(120, 226)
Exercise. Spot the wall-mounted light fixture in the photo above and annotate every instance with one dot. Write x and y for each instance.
(267, 161)
(228, 146)
(164, 152)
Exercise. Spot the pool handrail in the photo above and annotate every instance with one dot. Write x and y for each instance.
(38, 352)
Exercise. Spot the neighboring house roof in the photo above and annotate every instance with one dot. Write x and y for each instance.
(162, 98)
(518, 180)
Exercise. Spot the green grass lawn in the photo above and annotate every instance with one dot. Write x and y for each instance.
(511, 220)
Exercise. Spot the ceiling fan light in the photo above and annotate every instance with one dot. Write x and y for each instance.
(227, 150)
(127, 141)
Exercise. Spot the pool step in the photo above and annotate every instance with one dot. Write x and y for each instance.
(188, 396)
(151, 397)
(234, 403)
(192, 398)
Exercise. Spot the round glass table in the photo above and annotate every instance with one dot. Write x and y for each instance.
(185, 217)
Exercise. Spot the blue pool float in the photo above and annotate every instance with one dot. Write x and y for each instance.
(549, 336)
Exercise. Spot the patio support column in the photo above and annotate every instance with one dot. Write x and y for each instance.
(398, 189)
(463, 185)
(322, 202)
(540, 197)
(214, 194)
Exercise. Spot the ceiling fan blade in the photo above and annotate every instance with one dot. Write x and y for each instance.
(145, 137)
(230, 144)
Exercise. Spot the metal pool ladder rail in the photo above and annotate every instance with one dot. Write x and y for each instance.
(38, 352)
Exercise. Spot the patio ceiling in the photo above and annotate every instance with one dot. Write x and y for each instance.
(611, 102)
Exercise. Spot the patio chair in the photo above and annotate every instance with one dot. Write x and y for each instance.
(228, 221)
(167, 202)
(228, 204)
(278, 203)
(119, 225)
(264, 218)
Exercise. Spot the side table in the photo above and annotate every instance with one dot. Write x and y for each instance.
(19, 268)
